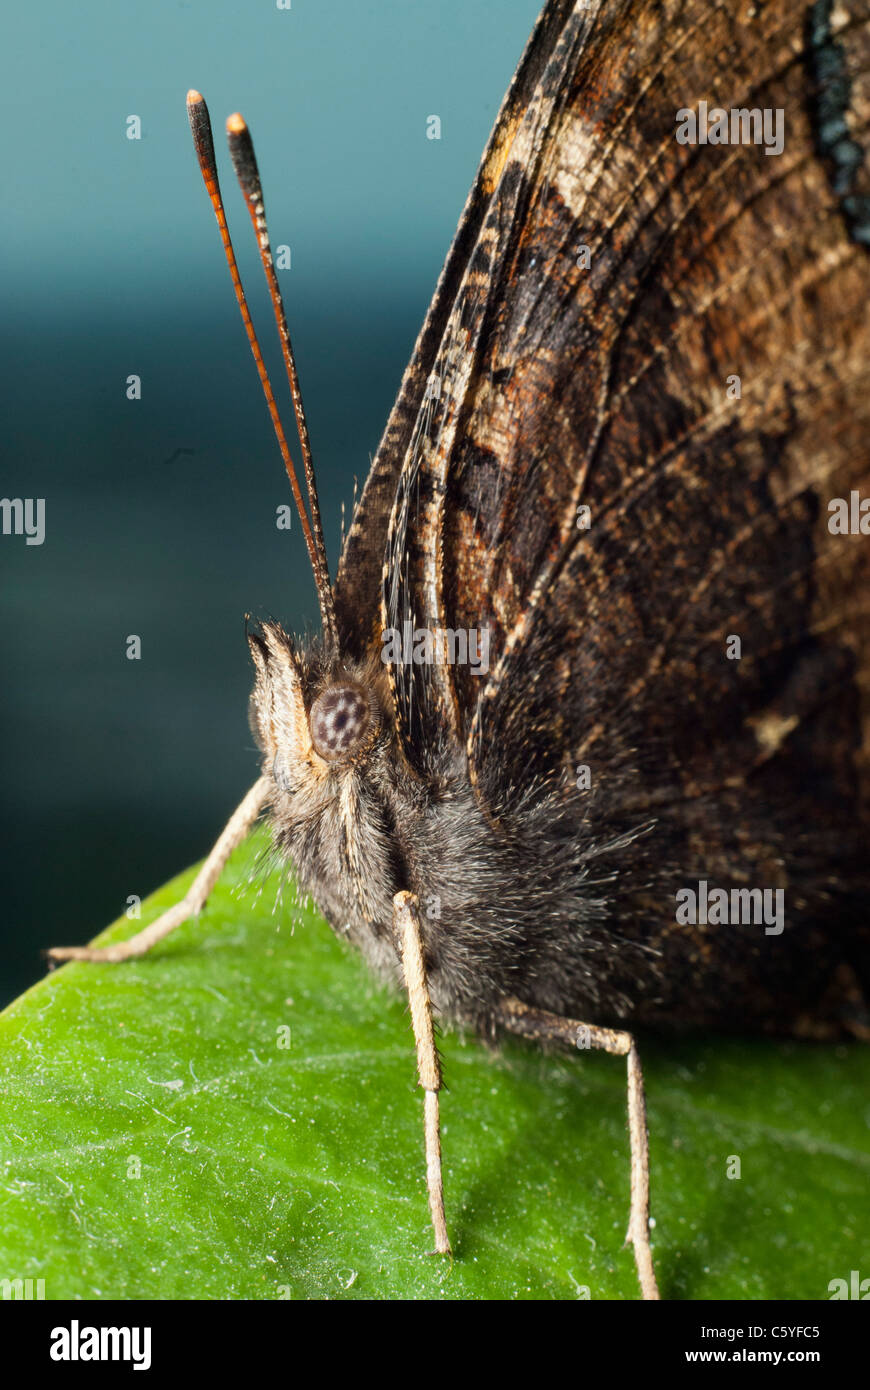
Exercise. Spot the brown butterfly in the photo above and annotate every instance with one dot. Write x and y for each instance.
(581, 746)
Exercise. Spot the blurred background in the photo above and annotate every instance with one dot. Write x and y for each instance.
(160, 513)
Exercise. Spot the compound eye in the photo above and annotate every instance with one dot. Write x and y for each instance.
(338, 721)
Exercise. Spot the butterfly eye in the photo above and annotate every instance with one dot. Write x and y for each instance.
(338, 721)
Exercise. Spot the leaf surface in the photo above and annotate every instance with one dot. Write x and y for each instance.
(157, 1140)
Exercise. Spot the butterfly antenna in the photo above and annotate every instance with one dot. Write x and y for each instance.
(242, 153)
(247, 173)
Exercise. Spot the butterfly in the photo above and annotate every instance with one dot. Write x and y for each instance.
(581, 746)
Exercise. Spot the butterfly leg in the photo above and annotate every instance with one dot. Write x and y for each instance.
(517, 1017)
(406, 929)
(194, 900)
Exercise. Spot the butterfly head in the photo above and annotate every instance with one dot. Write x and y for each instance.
(328, 747)
(314, 717)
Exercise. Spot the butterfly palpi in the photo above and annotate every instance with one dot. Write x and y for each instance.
(592, 673)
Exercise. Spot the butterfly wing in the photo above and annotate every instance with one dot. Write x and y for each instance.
(358, 582)
(701, 389)
(651, 377)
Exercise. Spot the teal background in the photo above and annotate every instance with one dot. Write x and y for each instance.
(118, 773)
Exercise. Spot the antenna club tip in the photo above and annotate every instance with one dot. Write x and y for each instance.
(236, 124)
(194, 97)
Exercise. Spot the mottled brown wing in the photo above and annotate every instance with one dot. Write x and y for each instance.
(558, 385)
(708, 511)
(359, 579)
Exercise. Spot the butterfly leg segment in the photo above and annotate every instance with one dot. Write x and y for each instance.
(406, 928)
(195, 898)
(517, 1017)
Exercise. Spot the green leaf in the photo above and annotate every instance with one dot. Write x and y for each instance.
(157, 1142)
